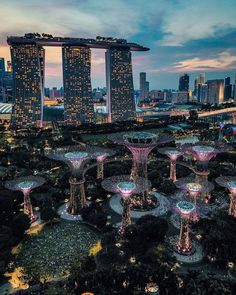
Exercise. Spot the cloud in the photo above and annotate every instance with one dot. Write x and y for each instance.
(197, 20)
(224, 61)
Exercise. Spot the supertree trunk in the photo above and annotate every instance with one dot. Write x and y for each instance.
(126, 217)
(28, 209)
(202, 179)
(77, 196)
(232, 206)
(100, 169)
(184, 240)
(173, 170)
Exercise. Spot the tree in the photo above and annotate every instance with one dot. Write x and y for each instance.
(48, 214)
(20, 224)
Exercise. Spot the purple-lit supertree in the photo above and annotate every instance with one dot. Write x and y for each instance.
(75, 157)
(203, 152)
(186, 210)
(173, 154)
(101, 154)
(26, 185)
(140, 144)
(230, 183)
(126, 187)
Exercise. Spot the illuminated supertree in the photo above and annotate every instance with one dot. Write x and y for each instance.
(203, 152)
(126, 187)
(230, 183)
(221, 128)
(75, 157)
(186, 210)
(26, 185)
(140, 145)
(173, 155)
(101, 154)
(233, 138)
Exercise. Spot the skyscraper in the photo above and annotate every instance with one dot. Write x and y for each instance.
(28, 82)
(215, 91)
(143, 86)
(184, 82)
(228, 89)
(78, 102)
(202, 93)
(198, 81)
(120, 89)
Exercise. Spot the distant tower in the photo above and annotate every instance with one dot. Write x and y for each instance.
(120, 89)
(28, 85)
(77, 84)
(184, 82)
(143, 86)
(228, 89)
(215, 91)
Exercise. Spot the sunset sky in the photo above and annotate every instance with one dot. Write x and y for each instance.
(183, 36)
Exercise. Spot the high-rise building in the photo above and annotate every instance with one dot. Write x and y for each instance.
(120, 89)
(198, 81)
(28, 82)
(143, 86)
(78, 102)
(228, 89)
(184, 82)
(215, 91)
(2, 66)
(202, 93)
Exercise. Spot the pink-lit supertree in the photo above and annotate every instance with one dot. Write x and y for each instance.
(126, 187)
(230, 183)
(203, 152)
(26, 185)
(140, 144)
(186, 210)
(173, 154)
(75, 157)
(101, 154)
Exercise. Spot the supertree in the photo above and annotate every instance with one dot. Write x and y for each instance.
(221, 128)
(75, 157)
(26, 184)
(173, 154)
(101, 154)
(186, 210)
(233, 139)
(230, 183)
(203, 152)
(126, 187)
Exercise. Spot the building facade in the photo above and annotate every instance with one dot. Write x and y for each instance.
(215, 91)
(184, 82)
(228, 89)
(78, 102)
(28, 85)
(143, 86)
(120, 89)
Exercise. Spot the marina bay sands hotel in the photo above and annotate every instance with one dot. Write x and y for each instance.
(28, 60)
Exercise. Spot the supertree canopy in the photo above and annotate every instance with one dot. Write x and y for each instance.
(230, 183)
(173, 154)
(186, 210)
(26, 185)
(140, 144)
(126, 187)
(75, 157)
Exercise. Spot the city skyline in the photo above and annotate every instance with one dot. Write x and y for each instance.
(179, 40)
